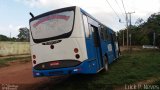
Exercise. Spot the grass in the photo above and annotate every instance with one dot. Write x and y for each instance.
(129, 69)
(5, 61)
(156, 82)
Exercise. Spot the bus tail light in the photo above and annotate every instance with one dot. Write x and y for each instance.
(34, 56)
(55, 63)
(76, 50)
(34, 61)
(77, 56)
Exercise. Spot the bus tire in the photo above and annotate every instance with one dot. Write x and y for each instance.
(106, 67)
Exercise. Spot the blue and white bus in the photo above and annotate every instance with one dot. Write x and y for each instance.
(70, 41)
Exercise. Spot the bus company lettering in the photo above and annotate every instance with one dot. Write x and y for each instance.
(109, 47)
(51, 17)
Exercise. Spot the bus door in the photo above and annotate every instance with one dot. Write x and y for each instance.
(97, 45)
(113, 45)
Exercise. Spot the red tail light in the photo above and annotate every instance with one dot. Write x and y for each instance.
(34, 61)
(34, 56)
(76, 50)
(54, 63)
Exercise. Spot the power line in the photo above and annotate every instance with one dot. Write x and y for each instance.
(119, 8)
(123, 7)
(118, 5)
(113, 10)
(126, 24)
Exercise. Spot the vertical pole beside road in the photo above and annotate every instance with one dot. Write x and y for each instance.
(123, 38)
(129, 31)
(154, 37)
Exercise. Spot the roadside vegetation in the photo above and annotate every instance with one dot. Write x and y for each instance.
(23, 36)
(131, 68)
(143, 31)
(4, 61)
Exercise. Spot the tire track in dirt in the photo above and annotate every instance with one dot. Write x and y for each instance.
(21, 74)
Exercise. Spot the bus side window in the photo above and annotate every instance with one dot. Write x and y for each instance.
(102, 32)
(105, 34)
(115, 37)
(95, 36)
(108, 36)
(90, 29)
(86, 26)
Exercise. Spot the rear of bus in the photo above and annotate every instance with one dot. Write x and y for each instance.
(57, 43)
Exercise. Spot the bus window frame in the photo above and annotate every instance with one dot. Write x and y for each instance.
(105, 32)
(88, 27)
(65, 35)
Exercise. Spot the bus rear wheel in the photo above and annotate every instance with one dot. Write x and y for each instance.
(106, 68)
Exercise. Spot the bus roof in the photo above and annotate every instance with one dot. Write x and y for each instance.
(83, 11)
(49, 12)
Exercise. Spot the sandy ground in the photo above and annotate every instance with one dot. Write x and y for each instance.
(20, 74)
(134, 48)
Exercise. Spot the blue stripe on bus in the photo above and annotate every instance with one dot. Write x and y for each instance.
(86, 67)
(104, 45)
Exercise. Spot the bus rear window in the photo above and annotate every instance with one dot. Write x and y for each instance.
(53, 25)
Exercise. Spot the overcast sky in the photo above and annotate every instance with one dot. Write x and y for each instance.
(15, 13)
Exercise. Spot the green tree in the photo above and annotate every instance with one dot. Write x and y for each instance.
(139, 21)
(142, 32)
(3, 38)
(23, 34)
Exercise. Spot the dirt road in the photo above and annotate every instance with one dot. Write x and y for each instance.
(19, 74)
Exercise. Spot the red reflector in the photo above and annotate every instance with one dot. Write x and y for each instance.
(76, 50)
(34, 56)
(54, 63)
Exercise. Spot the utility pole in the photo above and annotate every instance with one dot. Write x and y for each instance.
(127, 28)
(154, 37)
(123, 38)
(10, 35)
(122, 35)
(128, 33)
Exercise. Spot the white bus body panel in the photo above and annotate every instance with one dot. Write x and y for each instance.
(63, 50)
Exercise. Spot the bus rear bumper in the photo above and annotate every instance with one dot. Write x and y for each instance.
(56, 72)
(86, 67)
